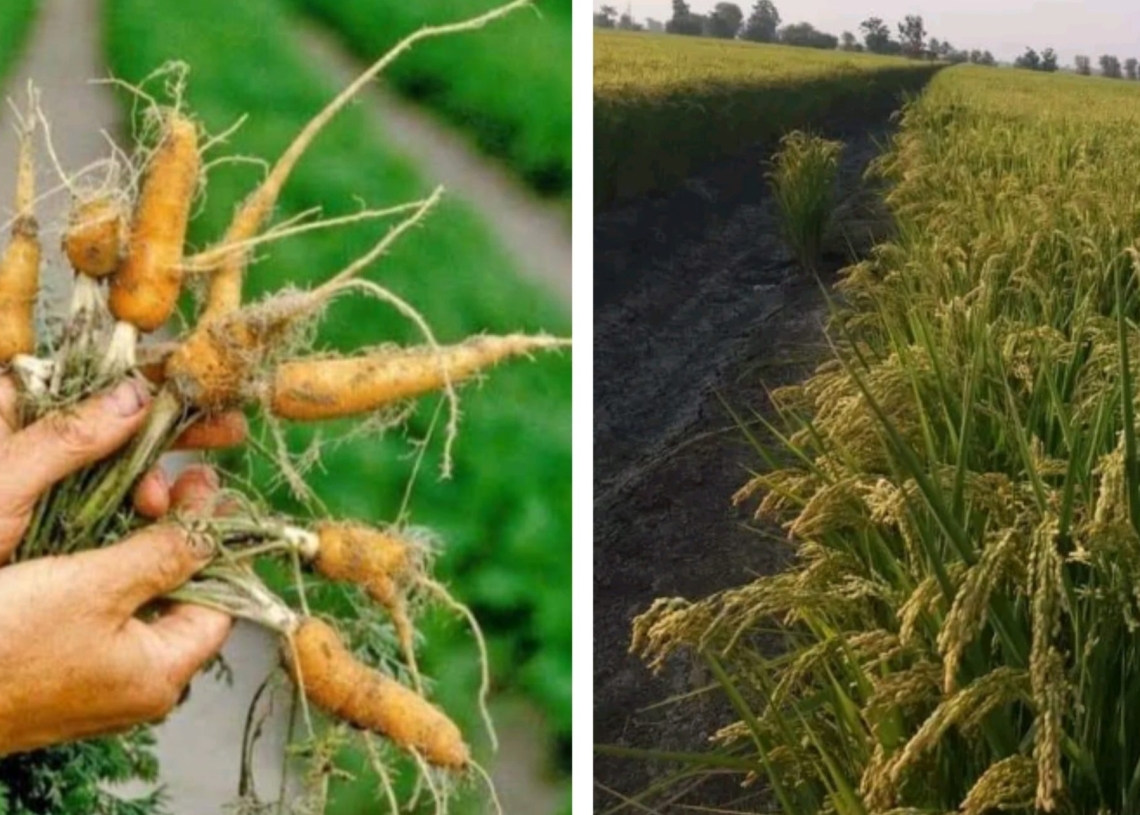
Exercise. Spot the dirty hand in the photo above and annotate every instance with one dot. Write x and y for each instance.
(75, 661)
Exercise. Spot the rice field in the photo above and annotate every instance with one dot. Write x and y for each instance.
(664, 105)
(958, 629)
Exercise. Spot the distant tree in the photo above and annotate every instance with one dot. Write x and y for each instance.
(725, 20)
(1130, 67)
(1110, 66)
(684, 21)
(876, 35)
(762, 23)
(805, 35)
(932, 48)
(987, 59)
(912, 35)
(1030, 59)
(654, 25)
(1082, 65)
(1049, 60)
(606, 18)
(627, 23)
(958, 57)
(975, 56)
(849, 43)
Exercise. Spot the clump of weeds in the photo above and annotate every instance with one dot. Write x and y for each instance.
(802, 178)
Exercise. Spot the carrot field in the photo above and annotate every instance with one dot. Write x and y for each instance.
(665, 105)
(959, 486)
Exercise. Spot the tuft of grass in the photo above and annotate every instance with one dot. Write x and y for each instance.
(958, 629)
(803, 183)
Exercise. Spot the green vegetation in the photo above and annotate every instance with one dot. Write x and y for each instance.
(15, 23)
(803, 184)
(507, 86)
(504, 519)
(959, 623)
(665, 105)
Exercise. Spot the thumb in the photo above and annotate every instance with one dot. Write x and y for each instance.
(190, 636)
(143, 567)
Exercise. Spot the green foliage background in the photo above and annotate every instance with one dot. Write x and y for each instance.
(510, 91)
(15, 21)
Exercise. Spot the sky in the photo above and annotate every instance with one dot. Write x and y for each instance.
(1004, 27)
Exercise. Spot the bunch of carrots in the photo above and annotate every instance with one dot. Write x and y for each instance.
(128, 250)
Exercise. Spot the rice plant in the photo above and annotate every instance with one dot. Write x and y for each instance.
(803, 183)
(959, 626)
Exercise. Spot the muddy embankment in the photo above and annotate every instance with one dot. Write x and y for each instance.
(698, 305)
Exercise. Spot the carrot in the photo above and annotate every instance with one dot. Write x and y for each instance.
(20, 264)
(94, 241)
(381, 563)
(342, 686)
(145, 288)
(313, 389)
(211, 369)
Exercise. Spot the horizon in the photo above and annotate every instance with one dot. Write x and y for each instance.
(1070, 27)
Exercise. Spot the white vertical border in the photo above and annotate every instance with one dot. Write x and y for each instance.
(583, 424)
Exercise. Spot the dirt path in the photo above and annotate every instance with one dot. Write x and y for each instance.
(697, 302)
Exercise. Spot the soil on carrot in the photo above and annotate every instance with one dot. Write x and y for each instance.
(699, 309)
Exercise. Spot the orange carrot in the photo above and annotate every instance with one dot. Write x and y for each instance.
(212, 368)
(342, 686)
(94, 241)
(313, 389)
(145, 288)
(381, 563)
(20, 265)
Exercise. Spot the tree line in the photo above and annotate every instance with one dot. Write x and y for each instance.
(763, 24)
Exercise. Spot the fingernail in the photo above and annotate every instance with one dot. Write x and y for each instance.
(128, 398)
(200, 545)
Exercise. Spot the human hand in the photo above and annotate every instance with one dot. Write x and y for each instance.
(74, 659)
(37, 456)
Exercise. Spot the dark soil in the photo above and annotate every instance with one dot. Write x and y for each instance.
(698, 305)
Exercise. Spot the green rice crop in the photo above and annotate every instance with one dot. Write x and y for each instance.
(959, 625)
(504, 519)
(508, 86)
(803, 183)
(665, 105)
